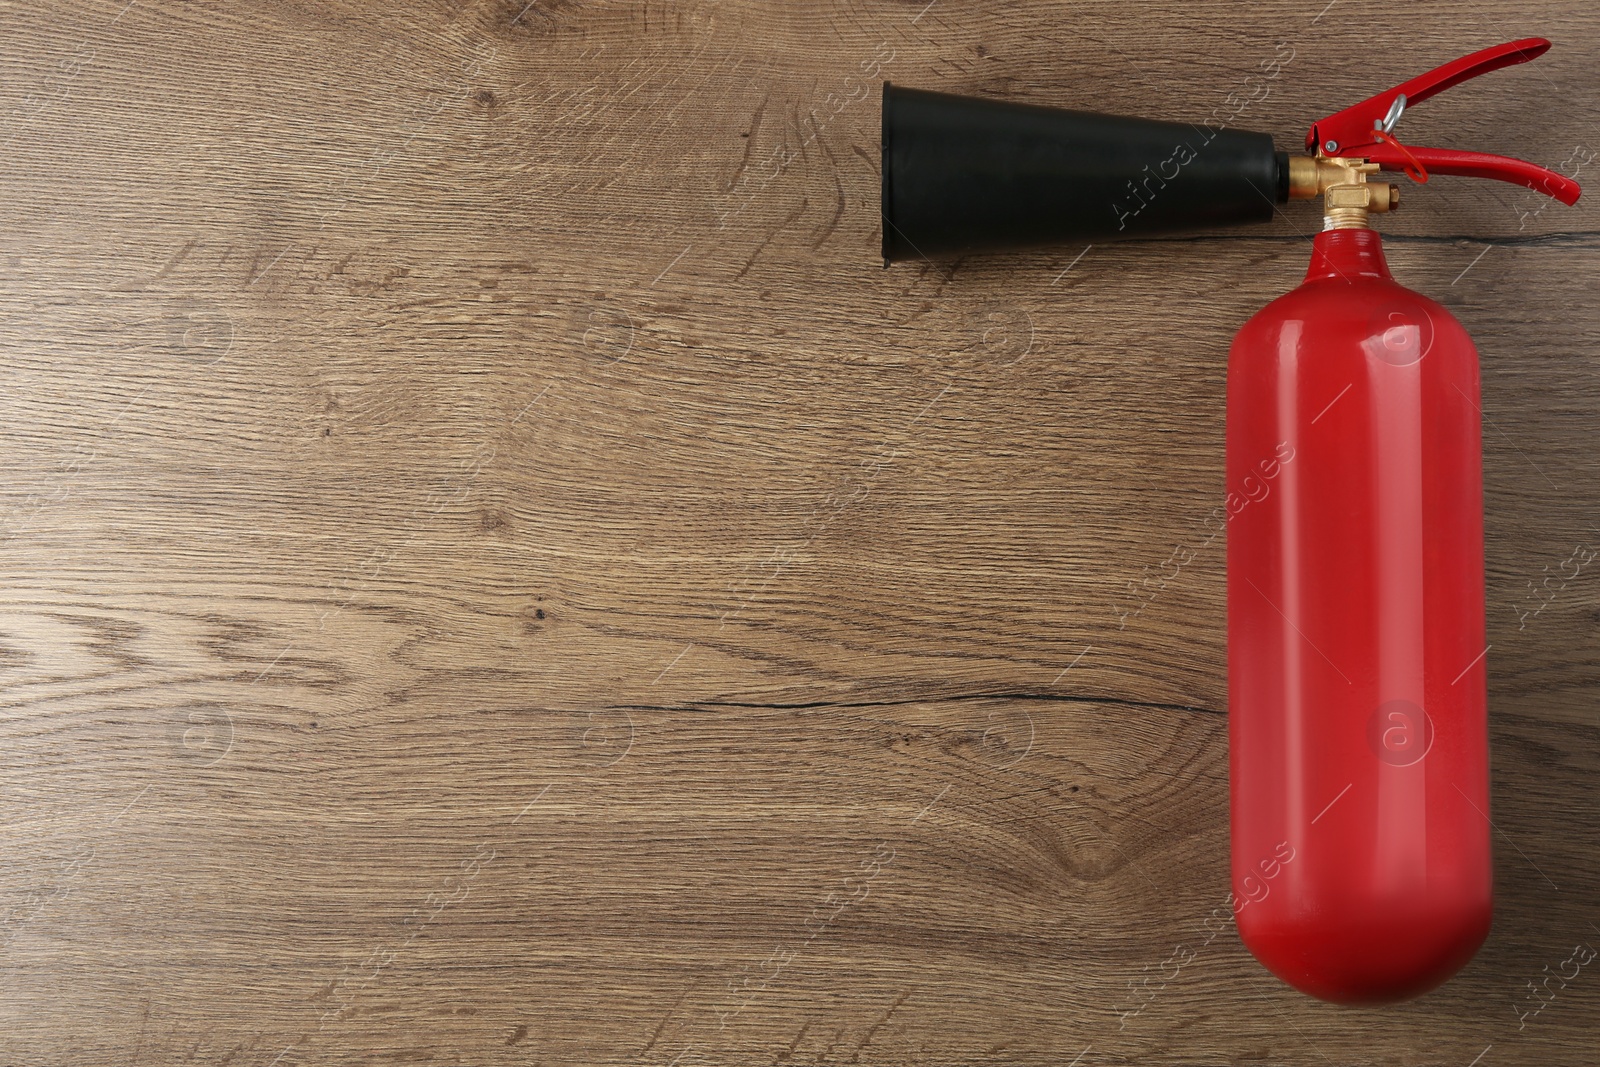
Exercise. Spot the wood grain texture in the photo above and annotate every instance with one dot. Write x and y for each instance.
(495, 571)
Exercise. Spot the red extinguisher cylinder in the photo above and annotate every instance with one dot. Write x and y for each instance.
(1356, 658)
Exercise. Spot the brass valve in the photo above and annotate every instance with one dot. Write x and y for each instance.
(1342, 183)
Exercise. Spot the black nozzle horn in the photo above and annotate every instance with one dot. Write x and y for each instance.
(961, 174)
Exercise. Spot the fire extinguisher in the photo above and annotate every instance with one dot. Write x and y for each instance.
(1359, 754)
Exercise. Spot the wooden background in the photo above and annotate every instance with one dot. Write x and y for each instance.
(495, 571)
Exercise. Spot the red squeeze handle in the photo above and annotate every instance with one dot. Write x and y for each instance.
(1352, 128)
(1354, 131)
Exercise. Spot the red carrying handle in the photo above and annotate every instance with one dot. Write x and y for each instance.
(1478, 165)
